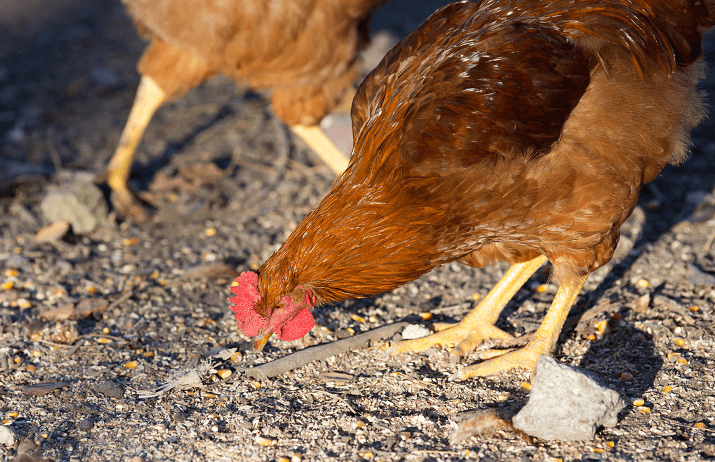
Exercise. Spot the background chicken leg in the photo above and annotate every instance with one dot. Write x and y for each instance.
(148, 99)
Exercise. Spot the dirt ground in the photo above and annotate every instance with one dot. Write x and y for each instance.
(99, 316)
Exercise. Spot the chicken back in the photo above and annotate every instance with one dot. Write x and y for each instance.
(502, 130)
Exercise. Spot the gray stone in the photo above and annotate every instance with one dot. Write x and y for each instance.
(110, 389)
(80, 203)
(567, 403)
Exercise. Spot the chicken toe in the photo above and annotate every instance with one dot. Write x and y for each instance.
(478, 326)
(542, 342)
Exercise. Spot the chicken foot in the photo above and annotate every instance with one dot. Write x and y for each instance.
(477, 326)
(321, 145)
(148, 99)
(542, 342)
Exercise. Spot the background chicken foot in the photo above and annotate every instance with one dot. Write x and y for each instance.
(542, 342)
(477, 326)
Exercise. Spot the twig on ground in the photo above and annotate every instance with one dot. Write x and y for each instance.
(316, 353)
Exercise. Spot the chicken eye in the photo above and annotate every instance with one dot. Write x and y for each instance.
(278, 307)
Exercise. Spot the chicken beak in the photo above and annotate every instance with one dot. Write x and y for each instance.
(261, 342)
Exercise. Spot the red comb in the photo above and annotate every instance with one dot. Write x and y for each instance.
(247, 297)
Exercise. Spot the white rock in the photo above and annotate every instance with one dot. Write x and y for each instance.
(414, 331)
(6, 436)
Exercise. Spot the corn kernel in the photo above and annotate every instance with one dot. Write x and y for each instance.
(36, 336)
(367, 455)
(591, 337)
(672, 356)
(626, 377)
(602, 327)
(638, 402)
(31, 369)
(190, 393)
(255, 385)
(210, 232)
(682, 361)
(7, 285)
(148, 354)
(91, 290)
(598, 450)
(679, 341)
(36, 353)
(610, 444)
(131, 364)
(426, 316)
(12, 414)
(282, 459)
(23, 303)
(127, 242)
(694, 308)
(357, 318)
(701, 425)
(7, 421)
(404, 435)
(236, 357)
(105, 330)
(10, 273)
(395, 374)
(643, 283)
(44, 435)
(542, 288)
(667, 389)
(359, 424)
(104, 340)
(265, 441)
(17, 360)
(643, 409)
(351, 330)
(224, 373)
(526, 385)
(235, 283)
(209, 395)
(476, 296)
(296, 458)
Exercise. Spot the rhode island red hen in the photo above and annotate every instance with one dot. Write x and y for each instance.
(505, 130)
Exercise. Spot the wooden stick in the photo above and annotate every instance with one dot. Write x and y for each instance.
(318, 352)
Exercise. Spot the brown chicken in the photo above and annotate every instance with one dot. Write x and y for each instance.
(503, 130)
(303, 50)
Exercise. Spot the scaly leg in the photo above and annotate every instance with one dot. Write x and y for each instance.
(478, 325)
(149, 98)
(541, 343)
(321, 144)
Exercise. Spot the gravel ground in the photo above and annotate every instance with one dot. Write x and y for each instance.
(88, 320)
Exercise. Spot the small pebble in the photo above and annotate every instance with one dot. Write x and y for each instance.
(86, 425)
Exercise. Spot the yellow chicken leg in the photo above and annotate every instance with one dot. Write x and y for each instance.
(148, 99)
(478, 325)
(321, 144)
(542, 342)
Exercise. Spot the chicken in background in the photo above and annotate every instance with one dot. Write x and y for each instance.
(502, 130)
(305, 51)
